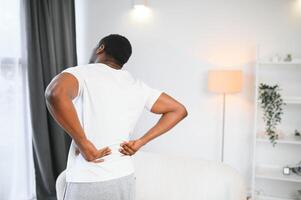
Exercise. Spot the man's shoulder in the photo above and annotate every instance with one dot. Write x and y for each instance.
(77, 69)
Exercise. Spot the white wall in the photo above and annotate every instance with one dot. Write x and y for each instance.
(173, 51)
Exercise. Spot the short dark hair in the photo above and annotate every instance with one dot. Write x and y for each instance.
(118, 47)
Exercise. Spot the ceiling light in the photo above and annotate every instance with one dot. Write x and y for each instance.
(141, 11)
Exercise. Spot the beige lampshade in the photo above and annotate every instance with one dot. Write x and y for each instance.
(225, 81)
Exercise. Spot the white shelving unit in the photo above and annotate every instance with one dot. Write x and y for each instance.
(264, 197)
(292, 100)
(269, 182)
(295, 62)
(273, 173)
(288, 140)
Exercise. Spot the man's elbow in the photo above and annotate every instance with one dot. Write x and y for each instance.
(51, 95)
(182, 111)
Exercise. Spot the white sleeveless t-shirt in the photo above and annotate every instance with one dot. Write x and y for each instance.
(108, 104)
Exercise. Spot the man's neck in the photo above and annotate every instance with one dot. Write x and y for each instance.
(109, 64)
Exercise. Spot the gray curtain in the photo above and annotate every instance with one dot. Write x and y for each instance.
(51, 47)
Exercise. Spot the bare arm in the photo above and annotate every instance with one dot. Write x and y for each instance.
(172, 113)
(59, 95)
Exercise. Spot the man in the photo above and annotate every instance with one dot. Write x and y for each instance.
(98, 105)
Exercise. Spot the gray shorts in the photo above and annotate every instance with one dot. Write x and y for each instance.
(117, 189)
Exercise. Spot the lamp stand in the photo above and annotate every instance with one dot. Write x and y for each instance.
(223, 127)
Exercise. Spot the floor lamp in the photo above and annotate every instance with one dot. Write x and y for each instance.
(224, 82)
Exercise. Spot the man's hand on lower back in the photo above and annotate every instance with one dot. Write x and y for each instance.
(90, 153)
(131, 147)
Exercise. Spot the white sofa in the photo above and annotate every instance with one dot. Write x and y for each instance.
(163, 177)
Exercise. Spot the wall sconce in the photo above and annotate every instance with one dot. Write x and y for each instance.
(141, 11)
(140, 3)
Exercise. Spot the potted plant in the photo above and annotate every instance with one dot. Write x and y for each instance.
(272, 105)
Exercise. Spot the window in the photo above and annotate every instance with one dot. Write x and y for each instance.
(16, 165)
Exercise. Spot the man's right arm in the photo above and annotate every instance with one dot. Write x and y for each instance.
(59, 95)
(172, 113)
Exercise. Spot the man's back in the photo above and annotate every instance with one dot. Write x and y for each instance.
(98, 106)
(108, 104)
